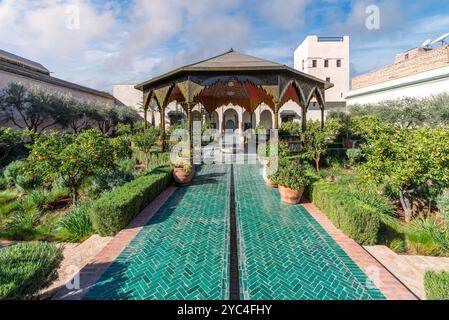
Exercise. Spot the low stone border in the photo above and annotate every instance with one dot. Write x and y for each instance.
(93, 271)
(387, 283)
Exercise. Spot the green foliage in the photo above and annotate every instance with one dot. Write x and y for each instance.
(413, 162)
(355, 218)
(22, 224)
(436, 285)
(16, 175)
(107, 181)
(114, 210)
(27, 268)
(145, 141)
(39, 198)
(72, 159)
(427, 237)
(125, 164)
(76, 224)
(10, 141)
(291, 174)
(290, 128)
(408, 112)
(354, 156)
(317, 139)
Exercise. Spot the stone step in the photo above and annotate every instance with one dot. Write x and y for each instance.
(409, 269)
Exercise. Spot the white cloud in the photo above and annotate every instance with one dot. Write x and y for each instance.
(284, 13)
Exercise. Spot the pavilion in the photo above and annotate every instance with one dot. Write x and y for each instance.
(235, 79)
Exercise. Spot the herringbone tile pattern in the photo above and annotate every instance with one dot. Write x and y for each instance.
(183, 252)
(285, 254)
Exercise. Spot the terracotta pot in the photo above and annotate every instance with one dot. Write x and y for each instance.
(268, 182)
(290, 196)
(181, 177)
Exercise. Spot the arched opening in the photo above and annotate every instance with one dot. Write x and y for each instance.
(249, 122)
(230, 120)
(266, 119)
(213, 119)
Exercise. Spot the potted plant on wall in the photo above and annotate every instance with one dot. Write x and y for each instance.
(292, 179)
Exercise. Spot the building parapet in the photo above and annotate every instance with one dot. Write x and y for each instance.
(406, 64)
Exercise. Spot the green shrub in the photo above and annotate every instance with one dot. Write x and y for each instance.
(427, 237)
(16, 175)
(126, 164)
(22, 224)
(290, 128)
(27, 268)
(3, 182)
(76, 224)
(108, 181)
(355, 218)
(354, 156)
(436, 285)
(114, 210)
(39, 198)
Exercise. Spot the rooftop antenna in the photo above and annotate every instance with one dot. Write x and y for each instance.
(426, 44)
(441, 39)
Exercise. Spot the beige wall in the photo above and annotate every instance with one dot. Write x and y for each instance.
(312, 49)
(6, 78)
(128, 96)
(418, 61)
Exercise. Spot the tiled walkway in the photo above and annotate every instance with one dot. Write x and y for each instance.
(285, 253)
(182, 252)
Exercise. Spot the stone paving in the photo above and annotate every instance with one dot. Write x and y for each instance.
(182, 252)
(286, 254)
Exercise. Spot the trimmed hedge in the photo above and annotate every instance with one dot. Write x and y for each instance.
(355, 218)
(27, 268)
(436, 285)
(115, 210)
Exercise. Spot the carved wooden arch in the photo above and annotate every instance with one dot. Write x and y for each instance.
(286, 94)
(316, 93)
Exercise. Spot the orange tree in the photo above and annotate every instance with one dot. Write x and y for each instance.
(414, 162)
(318, 139)
(72, 158)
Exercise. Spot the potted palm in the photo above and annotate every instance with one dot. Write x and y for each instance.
(266, 159)
(292, 179)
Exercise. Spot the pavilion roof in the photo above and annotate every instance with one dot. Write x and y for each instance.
(229, 61)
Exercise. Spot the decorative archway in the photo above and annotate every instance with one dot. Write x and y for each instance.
(233, 78)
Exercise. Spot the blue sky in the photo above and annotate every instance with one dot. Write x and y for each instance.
(129, 41)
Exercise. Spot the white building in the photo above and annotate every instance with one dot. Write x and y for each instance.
(326, 58)
(418, 73)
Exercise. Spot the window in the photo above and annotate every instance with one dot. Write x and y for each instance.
(338, 63)
(326, 63)
(314, 64)
(328, 79)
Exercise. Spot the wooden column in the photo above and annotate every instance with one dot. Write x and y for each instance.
(162, 124)
(146, 103)
(190, 127)
(322, 117)
(276, 115)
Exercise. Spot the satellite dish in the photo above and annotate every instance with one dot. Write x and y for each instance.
(426, 43)
(441, 39)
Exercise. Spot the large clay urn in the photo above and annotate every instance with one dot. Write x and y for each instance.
(290, 196)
